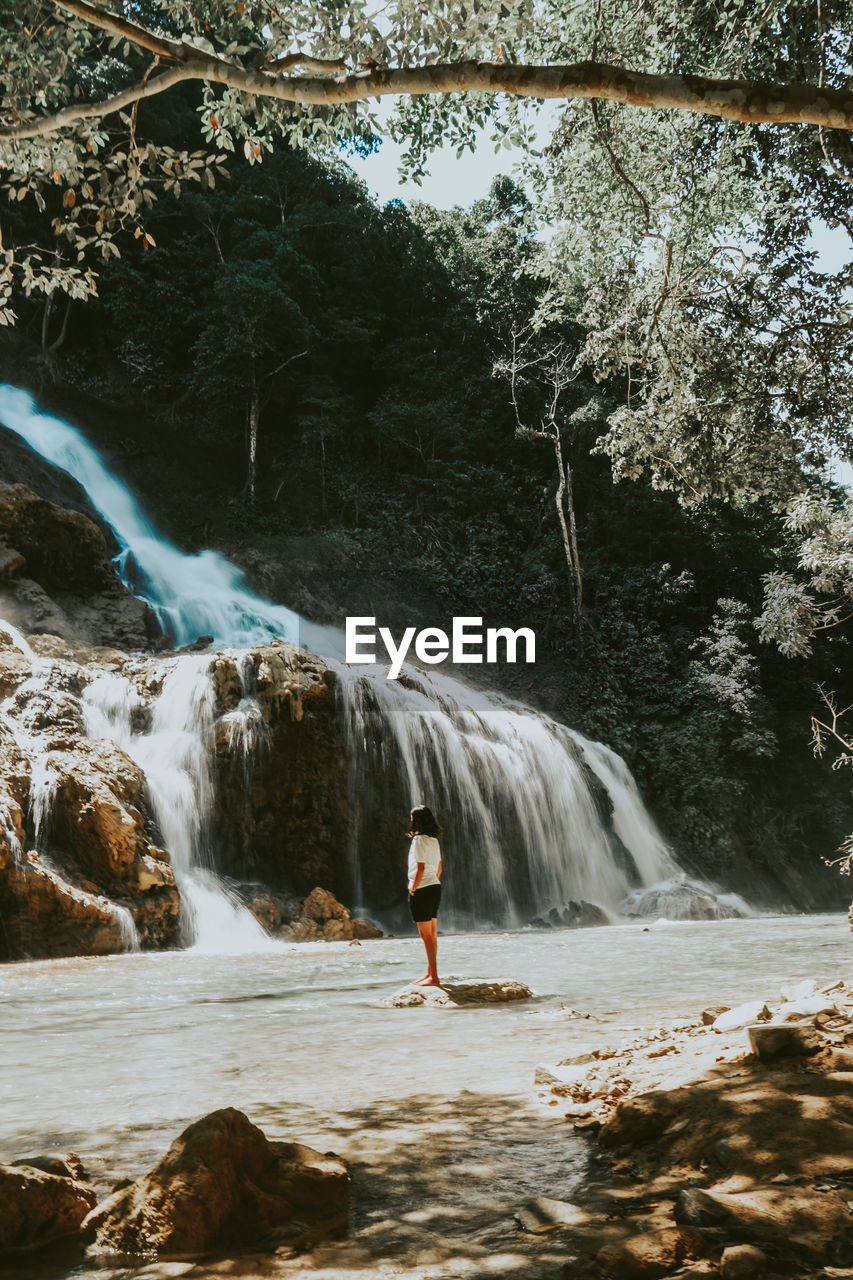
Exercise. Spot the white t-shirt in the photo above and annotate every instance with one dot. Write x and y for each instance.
(424, 849)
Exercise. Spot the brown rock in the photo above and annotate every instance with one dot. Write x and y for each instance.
(222, 1183)
(67, 1166)
(338, 930)
(37, 1208)
(773, 1040)
(649, 1255)
(710, 1016)
(364, 929)
(452, 995)
(321, 906)
(742, 1262)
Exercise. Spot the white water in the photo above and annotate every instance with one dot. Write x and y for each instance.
(192, 596)
(510, 777)
(176, 756)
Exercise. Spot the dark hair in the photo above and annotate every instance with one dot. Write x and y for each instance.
(423, 823)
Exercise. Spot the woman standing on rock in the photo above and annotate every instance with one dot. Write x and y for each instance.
(425, 886)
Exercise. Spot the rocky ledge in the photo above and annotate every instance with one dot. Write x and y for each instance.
(221, 1184)
(724, 1145)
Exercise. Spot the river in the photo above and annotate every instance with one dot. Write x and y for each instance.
(112, 1057)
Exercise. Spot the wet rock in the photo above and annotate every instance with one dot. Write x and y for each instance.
(574, 915)
(46, 916)
(783, 1040)
(710, 1016)
(37, 1208)
(450, 995)
(222, 1183)
(67, 1166)
(60, 577)
(544, 1214)
(650, 1255)
(742, 1262)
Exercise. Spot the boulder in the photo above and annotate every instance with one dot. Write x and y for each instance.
(772, 1040)
(57, 575)
(221, 1184)
(742, 1262)
(450, 995)
(37, 1208)
(322, 906)
(650, 1255)
(364, 930)
(67, 1166)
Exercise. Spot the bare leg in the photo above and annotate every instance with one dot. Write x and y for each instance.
(428, 930)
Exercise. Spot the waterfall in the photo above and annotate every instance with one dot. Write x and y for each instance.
(538, 816)
(192, 595)
(176, 756)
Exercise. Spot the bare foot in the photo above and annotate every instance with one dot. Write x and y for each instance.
(421, 982)
(430, 982)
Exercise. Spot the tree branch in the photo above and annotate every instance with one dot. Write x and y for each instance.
(748, 101)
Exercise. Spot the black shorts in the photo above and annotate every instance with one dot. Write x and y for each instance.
(423, 903)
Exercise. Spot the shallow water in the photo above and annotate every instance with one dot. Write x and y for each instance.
(112, 1057)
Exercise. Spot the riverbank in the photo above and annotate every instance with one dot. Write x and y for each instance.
(724, 1143)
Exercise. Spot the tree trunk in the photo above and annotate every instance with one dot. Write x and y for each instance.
(254, 419)
(564, 498)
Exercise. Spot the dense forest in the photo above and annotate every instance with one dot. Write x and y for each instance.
(320, 388)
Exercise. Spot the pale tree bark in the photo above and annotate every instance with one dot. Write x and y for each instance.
(748, 101)
(254, 417)
(553, 371)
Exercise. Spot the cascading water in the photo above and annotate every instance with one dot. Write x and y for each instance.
(192, 596)
(540, 816)
(175, 754)
(530, 829)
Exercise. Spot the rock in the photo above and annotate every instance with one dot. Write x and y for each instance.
(338, 930)
(322, 906)
(544, 1214)
(452, 995)
(742, 1262)
(37, 1208)
(574, 915)
(67, 1166)
(59, 576)
(741, 1016)
(222, 1183)
(710, 1016)
(649, 1255)
(807, 1007)
(643, 1119)
(773, 1040)
(364, 930)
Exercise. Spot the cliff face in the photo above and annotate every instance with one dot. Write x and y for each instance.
(280, 780)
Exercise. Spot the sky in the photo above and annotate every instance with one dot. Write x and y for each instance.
(451, 181)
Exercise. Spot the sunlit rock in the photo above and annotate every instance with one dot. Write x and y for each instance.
(222, 1183)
